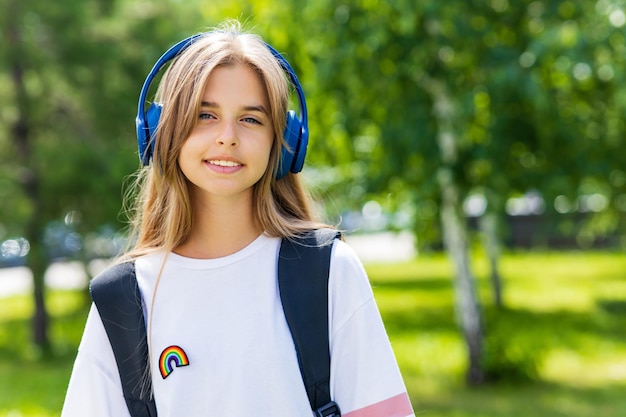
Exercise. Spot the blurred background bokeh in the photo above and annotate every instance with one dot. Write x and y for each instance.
(473, 151)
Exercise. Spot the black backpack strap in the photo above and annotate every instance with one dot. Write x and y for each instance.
(116, 294)
(303, 268)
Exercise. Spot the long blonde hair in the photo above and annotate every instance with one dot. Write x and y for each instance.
(161, 214)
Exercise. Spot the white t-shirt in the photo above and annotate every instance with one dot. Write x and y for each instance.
(220, 344)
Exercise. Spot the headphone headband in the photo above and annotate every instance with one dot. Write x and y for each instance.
(296, 132)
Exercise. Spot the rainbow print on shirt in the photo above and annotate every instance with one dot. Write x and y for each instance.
(172, 357)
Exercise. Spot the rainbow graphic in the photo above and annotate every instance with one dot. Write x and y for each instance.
(172, 357)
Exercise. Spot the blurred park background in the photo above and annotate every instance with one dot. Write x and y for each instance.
(474, 151)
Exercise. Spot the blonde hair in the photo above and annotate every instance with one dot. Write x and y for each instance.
(161, 217)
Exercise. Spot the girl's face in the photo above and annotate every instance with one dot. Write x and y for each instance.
(228, 150)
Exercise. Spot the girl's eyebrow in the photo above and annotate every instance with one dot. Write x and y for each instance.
(260, 108)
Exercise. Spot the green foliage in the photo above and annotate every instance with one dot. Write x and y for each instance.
(535, 85)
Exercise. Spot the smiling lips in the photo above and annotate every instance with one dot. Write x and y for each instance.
(223, 166)
(223, 163)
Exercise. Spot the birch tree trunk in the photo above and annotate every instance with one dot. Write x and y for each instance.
(455, 233)
(488, 224)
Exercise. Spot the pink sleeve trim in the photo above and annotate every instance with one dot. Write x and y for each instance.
(398, 406)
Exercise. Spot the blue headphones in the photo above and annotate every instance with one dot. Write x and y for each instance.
(296, 132)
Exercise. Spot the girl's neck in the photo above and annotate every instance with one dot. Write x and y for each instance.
(220, 227)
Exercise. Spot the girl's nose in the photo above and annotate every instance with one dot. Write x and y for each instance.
(228, 135)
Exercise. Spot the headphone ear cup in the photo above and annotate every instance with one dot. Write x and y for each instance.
(143, 139)
(153, 114)
(292, 155)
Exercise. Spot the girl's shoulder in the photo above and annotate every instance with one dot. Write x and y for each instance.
(345, 256)
(348, 278)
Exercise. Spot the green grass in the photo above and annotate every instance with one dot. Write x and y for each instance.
(32, 385)
(560, 343)
(562, 328)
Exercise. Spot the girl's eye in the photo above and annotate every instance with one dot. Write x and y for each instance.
(205, 116)
(251, 120)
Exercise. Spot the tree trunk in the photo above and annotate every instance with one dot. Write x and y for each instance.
(38, 263)
(455, 233)
(488, 224)
(21, 138)
(467, 306)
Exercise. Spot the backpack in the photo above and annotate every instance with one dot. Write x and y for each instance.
(303, 268)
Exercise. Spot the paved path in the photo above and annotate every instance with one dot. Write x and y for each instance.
(60, 275)
(383, 247)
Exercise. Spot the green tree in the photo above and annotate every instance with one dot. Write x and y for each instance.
(71, 73)
(432, 102)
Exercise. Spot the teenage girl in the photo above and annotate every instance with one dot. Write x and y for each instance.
(212, 209)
